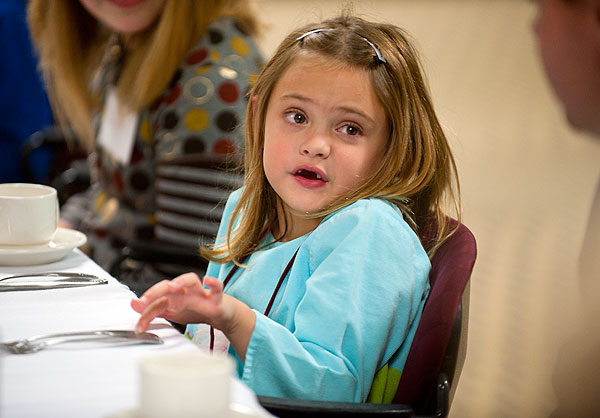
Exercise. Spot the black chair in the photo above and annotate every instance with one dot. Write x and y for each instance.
(437, 352)
(67, 171)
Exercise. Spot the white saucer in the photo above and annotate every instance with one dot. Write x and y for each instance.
(64, 240)
(235, 411)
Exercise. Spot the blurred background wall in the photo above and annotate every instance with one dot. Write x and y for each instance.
(527, 182)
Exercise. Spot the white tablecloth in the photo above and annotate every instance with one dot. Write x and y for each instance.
(75, 382)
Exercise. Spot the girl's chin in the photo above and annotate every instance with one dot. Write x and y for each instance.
(304, 210)
(299, 203)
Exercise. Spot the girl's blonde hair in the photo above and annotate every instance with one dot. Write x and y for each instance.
(418, 172)
(71, 44)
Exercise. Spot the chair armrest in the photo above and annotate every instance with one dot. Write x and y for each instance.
(292, 408)
(161, 252)
(73, 180)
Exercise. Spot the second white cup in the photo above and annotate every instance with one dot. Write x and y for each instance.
(185, 385)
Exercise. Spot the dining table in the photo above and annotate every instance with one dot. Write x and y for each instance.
(95, 381)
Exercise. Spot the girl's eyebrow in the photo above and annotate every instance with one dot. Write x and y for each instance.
(347, 109)
(297, 96)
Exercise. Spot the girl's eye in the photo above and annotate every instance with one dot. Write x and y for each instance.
(299, 118)
(296, 117)
(351, 130)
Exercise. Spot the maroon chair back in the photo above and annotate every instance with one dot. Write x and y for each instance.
(450, 272)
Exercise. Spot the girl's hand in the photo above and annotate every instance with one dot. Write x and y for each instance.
(185, 300)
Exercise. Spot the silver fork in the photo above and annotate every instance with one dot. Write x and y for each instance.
(39, 342)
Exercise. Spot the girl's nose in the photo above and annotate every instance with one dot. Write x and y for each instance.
(316, 145)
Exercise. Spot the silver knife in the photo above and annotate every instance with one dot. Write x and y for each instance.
(55, 281)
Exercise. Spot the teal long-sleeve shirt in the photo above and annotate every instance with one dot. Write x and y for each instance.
(349, 305)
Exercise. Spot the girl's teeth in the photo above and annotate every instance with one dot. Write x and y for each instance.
(309, 174)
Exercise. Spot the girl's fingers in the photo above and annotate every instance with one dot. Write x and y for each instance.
(137, 305)
(163, 288)
(189, 280)
(159, 289)
(215, 285)
(172, 299)
(156, 308)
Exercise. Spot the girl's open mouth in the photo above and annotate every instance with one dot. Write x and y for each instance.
(311, 175)
(310, 178)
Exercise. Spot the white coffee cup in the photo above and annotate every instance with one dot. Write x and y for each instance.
(28, 213)
(185, 385)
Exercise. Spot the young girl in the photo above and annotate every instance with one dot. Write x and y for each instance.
(318, 277)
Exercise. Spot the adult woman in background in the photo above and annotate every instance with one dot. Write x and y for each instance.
(144, 84)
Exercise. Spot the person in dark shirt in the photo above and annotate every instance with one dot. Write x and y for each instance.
(568, 33)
